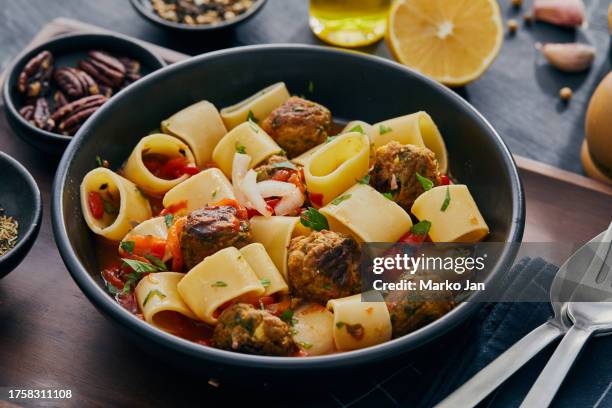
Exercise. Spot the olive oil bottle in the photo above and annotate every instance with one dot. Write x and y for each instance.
(349, 23)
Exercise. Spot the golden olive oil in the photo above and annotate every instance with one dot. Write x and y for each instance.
(349, 23)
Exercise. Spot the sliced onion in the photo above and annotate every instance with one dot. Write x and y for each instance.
(273, 188)
(249, 188)
(290, 203)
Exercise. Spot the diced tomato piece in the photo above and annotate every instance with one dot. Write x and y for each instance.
(251, 212)
(273, 202)
(282, 175)
(295, 179)
(211, 165)
(152, 164)
(444, 180)
(112, 276)
(174, 243)
(177, 167)
(96, 205)
(148, 245)
(411, 238)
(241, 212)
(174, 208)
(316, 198)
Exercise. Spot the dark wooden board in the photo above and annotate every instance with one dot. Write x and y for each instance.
(51, 336)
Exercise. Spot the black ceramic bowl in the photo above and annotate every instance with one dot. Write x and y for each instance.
(353, 86)
(67, 50)
(20, 199)
(145, 9)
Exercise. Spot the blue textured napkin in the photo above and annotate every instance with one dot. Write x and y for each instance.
(424, 379)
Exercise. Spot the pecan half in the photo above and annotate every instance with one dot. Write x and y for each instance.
(33, 80)
(75, 83)
(70, 117)
(104, 68)
(42, 116)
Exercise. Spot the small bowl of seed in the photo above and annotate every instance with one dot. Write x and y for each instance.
(197, 15)
(20, 213)
(54, 88)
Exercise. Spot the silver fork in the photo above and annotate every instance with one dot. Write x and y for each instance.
(591, 311)
(500, 369)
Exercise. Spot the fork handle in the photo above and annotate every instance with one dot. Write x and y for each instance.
(500, 369)
(549, 381)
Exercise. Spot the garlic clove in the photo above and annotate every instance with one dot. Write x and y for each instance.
(567, 13)
(570, 57)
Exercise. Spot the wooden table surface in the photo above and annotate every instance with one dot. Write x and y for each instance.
(51, 336)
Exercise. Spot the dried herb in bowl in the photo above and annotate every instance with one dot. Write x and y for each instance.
(193, 12)
(9, 232)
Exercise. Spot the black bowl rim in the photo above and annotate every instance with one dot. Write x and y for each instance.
(32, 231)
(154, 18)
(96, 294)
(20, 60)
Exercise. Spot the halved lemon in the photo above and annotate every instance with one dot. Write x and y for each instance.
(451, 41)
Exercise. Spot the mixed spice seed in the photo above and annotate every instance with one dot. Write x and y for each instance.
(193, 12)
(75, 92)
(9, 232)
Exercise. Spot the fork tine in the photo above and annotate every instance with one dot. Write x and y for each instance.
(598, 262)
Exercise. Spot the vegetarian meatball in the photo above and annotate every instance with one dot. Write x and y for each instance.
(210, 229)
(324, 265)
(412, 309)
(244, 329)
(298, 125)
(395, 171)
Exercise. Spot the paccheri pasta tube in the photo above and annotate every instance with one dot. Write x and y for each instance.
(159, 149)
(359, 324)
(157, 295)
(198, 125)
(353, 126)
(275, 233)
(218, 279)
(417, 129)
(268, 274)
(367, 215)
(453, 213)
(201, 190)
(257, 107)
(313, 327)
(337, 166)
(111, 204)
(249, 139)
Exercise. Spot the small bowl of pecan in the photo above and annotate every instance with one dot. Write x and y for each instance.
(197, 15)
(52, 89)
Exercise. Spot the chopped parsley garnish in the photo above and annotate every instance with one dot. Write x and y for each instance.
(340, 325)
(169, 219)
(109, 208)
(240, 148)
(340, 199)
(382, 129)
(426, 183)
(214, 194)
(421, 228)
(157, 262)
(251, 117)
(139, 266)
(447, 200)
(99, 161)
(128, 246)
(265, 282)
(364, 180)
(313, 219)
(285, 165)
(330, 139)
(150, 295)
(287, 317)
(219, 284)
(388, 196)
(311, 87)
(357, 128)
(305, 345)
(111, 289)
